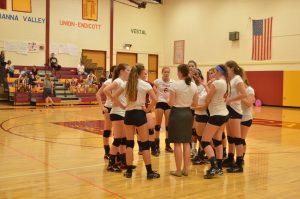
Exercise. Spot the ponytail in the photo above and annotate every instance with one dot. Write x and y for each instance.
(223, 69)
(236, 68)
(131, 88)
(184, 70)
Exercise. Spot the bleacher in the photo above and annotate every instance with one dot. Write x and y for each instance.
(62, 95)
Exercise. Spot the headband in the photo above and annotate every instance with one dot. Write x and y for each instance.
(220, 69)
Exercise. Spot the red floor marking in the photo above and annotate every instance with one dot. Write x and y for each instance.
(64, 172)
(91, 126)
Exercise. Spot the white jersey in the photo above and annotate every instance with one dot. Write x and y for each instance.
(143, 88)
(217, 105)
(116, 109)
(247, 111)
(163, 89)
(202, 96)
(236, 105)
(184, 93)
(108, 102)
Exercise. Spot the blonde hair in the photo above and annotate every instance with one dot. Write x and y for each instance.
(131, 88)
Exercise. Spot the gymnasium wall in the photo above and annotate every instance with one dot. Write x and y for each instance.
(20, 30)
(126, 19)
(148, 20)
(205, 25)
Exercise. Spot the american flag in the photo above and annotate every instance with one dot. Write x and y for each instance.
(262, 39)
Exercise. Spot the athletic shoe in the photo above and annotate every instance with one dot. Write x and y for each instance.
(127, 174)
(153, 175)
(227, 163)
(114, 168)
(169, 149)
(210, 173)
(106, 157)
(235, 169)
(198, 161)
(123, 166)
(219, 172)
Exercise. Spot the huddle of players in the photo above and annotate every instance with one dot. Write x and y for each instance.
(230, 105)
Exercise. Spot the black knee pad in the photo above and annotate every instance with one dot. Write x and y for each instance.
(117, 142)
(243, 142)
(123, 141)
(204, 144)
(106, 133)
(223, 136)
(167, 128)
(230, 140)
(199, 137)
(194, 132)
(130, 144)
(145, 146)
(217, 142)
(157, 127)
(238, 141)
(150, 131)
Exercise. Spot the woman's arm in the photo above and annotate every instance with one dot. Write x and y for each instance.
(107, 90)
(172, 96)
(249, 100)
(210, 94)
(153, 99)
(241, 89)
(98, 96)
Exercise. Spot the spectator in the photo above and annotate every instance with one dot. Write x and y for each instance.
(34, 71)
(73, 84)
(10, 68)
(31, 80)
(22, 83)
(91, 81)
(54, 63)
(80, 84)
(80, 69)
(2, 68)
(48, 90)
(24, 71)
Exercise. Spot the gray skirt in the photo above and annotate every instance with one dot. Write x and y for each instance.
(180, 125)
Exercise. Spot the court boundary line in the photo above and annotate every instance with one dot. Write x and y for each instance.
(79, 178)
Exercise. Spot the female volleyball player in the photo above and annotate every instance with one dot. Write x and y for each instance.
(201, 116)
(117, 114)
(106, 110)
(150, 118)
(247, 105)
(237, 93)
(162, 108)
(136, 90)
(215, 101)
(183, 94)
(193, 71)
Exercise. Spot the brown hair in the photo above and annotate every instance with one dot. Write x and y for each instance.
(236, 68)
(225, 74)
(118, 69)
(184, 70)
(131, 88)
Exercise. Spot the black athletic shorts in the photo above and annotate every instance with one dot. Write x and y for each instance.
(135, 117)
(218, 120)
(115, 117)
(109, 109)
(162, 105)
(202, 118)
(247, 123)
(233, 114)
(193, 112)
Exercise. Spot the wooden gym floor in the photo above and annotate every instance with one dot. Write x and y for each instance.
(57, 153)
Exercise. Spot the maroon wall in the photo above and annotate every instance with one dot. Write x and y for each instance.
(268, 86)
